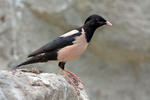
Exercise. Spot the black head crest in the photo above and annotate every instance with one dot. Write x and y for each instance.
(95, 20)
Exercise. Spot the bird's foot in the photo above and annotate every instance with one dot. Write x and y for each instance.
(74, 85)
(75, 77)
(70, 81)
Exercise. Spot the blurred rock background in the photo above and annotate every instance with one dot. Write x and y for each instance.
(116, 65)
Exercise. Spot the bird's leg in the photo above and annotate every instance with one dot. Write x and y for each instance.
(61, 66)
(70, 81)
(75, 77)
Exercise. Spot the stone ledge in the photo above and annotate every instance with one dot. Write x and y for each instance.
(34, 85)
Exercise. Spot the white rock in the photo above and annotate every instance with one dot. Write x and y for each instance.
(32, 85)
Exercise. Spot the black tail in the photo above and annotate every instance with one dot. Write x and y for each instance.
(32, 60)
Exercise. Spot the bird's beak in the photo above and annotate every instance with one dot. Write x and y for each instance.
(108, 23)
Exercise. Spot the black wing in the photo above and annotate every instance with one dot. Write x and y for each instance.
(56, 44)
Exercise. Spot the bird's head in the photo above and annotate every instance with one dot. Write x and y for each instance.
(96, 21)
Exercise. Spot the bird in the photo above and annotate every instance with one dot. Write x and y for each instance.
(68, 47)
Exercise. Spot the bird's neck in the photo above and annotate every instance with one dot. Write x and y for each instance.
(89, 31)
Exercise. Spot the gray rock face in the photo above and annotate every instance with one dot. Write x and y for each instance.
(32, 85)
(116, 65)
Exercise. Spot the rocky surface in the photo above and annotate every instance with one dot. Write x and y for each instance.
(116, 64)
(33, 85)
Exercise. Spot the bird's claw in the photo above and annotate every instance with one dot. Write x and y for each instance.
(74, 85)
(75, 77)
(70, 81)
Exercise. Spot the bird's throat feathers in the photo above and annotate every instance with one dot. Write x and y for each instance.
(89, 31)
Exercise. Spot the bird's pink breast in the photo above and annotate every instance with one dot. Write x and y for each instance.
(70, 52)
(73, 51)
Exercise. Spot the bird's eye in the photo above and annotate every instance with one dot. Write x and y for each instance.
(100, 22)
(97, 21)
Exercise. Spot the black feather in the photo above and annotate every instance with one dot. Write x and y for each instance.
(41, 58)
(91, 24)
(56, 44)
